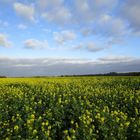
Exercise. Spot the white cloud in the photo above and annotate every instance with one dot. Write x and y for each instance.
(111, 26)
(115, 41)
(35, 44)
(92, 47)
(22, 26)
(97, 19)
(4, 42)
(80, 46)
(88, 31)
(84, 12)
(54, 11)
(64, 36)
(43, 4)
(107, 26)
(87, 11)
(131, 12)
(60, 15)
(89, 46)
(24, 11)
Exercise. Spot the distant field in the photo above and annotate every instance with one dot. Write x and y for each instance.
(70, 108)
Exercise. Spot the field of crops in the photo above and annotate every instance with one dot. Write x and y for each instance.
(81, 108)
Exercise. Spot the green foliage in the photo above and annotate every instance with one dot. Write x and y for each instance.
(80, 108)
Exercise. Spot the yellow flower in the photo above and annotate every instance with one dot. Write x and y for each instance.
(47, 123)
(16, 127)
(40, 118)
(98, 115)
(40, 102)
(90, 130)
(34, 132)
(28, 121)
(115, 112)
(72, 131)
(43, 123)
(102, 119)
(68, 138)
(72, 122)
(33, 116)
(47, 133)
(136, 111)
(65, 131)
(49, 127)
(117, 119)
(127, 123)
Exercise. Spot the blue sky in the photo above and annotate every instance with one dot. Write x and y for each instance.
(79, 32)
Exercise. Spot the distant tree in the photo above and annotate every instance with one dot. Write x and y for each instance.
(2, 76)
(112, 74)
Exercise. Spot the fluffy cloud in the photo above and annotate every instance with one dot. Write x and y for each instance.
(88, 11)
(107, 26)
(111, 26)
(43, 4)
(59, 15)
(64, 66)
(131, 12)
(22, 26)
(84, 12)
(4, 42)
(93, 47)
(24, 11)
(112, 29)
(35, 44)
(89, 46)
(55, 11)
(88, 31)
(64, 36)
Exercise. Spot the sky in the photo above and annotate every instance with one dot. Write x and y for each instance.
(59, 37)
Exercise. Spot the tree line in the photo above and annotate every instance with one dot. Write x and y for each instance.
(100, 74)
(108, 74)
(2, 76)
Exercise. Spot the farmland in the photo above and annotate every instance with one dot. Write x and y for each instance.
(70, 108)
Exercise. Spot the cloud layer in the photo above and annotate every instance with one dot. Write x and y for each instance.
(66, 66)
